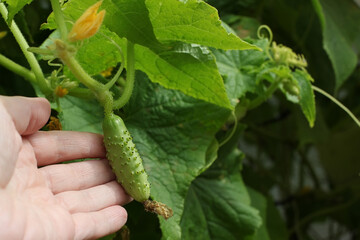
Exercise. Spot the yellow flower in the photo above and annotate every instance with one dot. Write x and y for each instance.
(60, 91)
(88, 24)
(107, 72)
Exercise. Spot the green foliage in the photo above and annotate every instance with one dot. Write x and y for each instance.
(217, 204)
(191, 22)
(170, 63)
(14, 7)
(77, 115)
(228, 128)
(307, 100)
(340, 34)
(244, 70)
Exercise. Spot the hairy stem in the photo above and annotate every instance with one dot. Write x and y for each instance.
(18, 69)
(30, 57)
(82, 93)
(319, 90)
(130, 77)
(102, 94)
(59, 18)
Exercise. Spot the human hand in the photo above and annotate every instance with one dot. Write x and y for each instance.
(43, 200)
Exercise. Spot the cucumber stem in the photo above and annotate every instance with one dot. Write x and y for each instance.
(102, 94)
(130, 77)
(334, 100)
(232, 131)
(263, 97)
(59, 18)
(18, 69)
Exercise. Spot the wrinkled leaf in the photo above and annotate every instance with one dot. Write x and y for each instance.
(217, 204)
(240, 69)
(214, 210)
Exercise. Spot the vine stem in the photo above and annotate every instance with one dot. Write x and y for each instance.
(30, 57)
(20, 70)
(232, 131)
(321, 213)
(103, 95)
(130, 76)
(59, 18)
(337, 102)
(263, 97)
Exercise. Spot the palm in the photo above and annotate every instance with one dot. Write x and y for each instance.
(35, 205)
(61, 201)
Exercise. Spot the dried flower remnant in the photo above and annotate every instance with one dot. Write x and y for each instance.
(54, 124)
(88, 24)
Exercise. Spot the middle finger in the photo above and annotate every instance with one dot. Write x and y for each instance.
(77, 176)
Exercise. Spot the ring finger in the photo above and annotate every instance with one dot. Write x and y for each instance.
(94, 199)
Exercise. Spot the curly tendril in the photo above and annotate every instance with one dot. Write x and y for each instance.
(266, 28)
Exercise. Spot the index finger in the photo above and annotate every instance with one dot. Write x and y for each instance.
(28, 114)
(58, 146)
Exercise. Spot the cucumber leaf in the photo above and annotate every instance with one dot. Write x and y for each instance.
(14, 6)
(240, 68)
(190, 69)
(186, 67)
(340, 31)
(307, 97)
(191, 21)
(218, 205)
(80, 115)
(273, 226)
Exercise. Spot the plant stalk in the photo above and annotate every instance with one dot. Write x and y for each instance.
(30, 57)
(103, 95)
(319, 90)
(130, 77)
(59, 18)
(260, 99)
(18, 69)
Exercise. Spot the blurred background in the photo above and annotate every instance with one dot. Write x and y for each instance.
(312, 174)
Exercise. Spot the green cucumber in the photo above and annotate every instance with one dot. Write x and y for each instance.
(124, 158)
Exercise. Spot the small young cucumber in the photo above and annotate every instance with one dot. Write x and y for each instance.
(124, 158)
